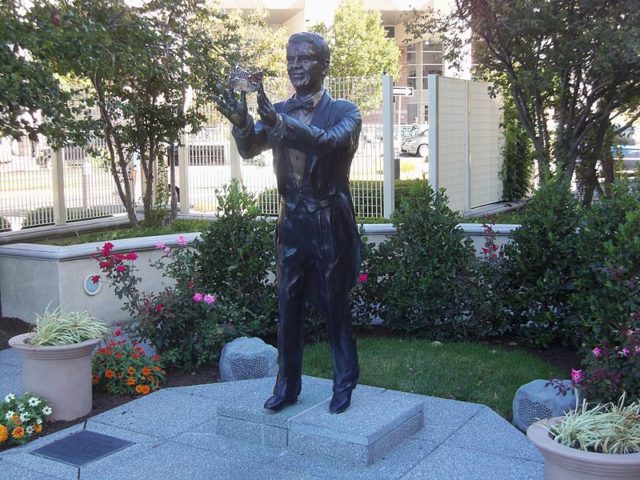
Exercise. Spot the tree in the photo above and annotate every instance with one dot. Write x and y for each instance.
(141, 64)
(359, 48)
(572, 66)
(33, 102)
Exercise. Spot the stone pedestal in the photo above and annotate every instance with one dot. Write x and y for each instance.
(375, 423)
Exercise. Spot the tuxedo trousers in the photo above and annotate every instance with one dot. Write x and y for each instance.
(318, 255)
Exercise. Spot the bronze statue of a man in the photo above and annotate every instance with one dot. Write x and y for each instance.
(313, 138)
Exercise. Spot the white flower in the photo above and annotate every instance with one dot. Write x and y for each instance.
(39, 421)
(9, 398)
(24, 416)
(34, 402)
(21, 407)
(29, 430)
(47, 411)
(9, 414)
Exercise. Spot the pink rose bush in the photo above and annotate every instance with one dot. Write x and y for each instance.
(184, 323)
(612, 367)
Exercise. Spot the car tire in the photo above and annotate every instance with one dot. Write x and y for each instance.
(423, 150)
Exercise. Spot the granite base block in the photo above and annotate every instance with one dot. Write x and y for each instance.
(257, 433)
(377, 421)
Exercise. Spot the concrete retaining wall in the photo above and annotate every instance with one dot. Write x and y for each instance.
(33, 276)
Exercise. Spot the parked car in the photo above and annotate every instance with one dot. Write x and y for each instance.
(417, 144)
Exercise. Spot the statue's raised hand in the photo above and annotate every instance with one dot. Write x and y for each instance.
(266, 110)
(234, 109)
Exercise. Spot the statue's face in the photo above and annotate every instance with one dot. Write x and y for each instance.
(306, 70)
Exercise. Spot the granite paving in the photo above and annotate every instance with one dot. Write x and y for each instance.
(175, 434)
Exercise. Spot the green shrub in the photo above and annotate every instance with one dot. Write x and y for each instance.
(608, 261)
(417, 275)
(539, 265)
(236, 255)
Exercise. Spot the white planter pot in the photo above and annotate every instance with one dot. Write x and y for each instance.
(566, 463)
(59, 374)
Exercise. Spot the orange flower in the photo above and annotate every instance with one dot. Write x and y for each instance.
(109, 374)
(18, 433)
(156, 368)
(95, 379)
(4, 434)
(143, 389)
(131, 381)
(37, 428)
(146, 371)
(131, 370)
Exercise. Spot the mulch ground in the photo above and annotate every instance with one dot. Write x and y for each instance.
(563, 358)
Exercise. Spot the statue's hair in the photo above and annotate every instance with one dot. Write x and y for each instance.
(316, 40)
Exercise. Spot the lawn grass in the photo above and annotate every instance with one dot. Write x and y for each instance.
(460, 371)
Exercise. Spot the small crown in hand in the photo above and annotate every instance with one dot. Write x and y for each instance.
(245, 81)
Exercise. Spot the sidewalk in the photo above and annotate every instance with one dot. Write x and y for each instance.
(173, 435)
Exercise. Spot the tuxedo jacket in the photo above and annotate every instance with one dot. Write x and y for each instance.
(329, 143)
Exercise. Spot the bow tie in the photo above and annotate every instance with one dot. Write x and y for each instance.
(294, 104)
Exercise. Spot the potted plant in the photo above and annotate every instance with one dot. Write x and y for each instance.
(600, 442)
(56, 360)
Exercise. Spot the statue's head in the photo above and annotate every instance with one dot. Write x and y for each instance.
(307, 62)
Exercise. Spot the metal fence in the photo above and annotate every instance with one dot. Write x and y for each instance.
(35, 191)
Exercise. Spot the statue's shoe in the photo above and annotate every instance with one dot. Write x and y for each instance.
(340, 401)
(276, 403)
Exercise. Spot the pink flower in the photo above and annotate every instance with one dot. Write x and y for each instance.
(597, 352)
(167, 251)
(637, 349)
(363, 277)
(625, 352)
(105, 264)
(95, 278)
(131, 256)
(117, 332)
(198, 297)
(576, 376)
(209, 299)
(106, 248)
(182, 241)
(121, 268)
(161, 245)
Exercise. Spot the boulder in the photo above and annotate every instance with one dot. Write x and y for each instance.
(248, 357)
(540, 399)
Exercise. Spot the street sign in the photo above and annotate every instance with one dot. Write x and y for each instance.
(403, 91)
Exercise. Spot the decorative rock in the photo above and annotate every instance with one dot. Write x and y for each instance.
(246, 357)
(539, 399)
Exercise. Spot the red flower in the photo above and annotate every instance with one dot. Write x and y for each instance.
(105, 264)
(95, 278)
(131, 256)
(106, 248)
(118, 257)
(121, 268)
(159, 307)
(363, 277)
(117, 332)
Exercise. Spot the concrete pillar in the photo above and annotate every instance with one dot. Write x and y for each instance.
(57, 173)
(387, 145)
